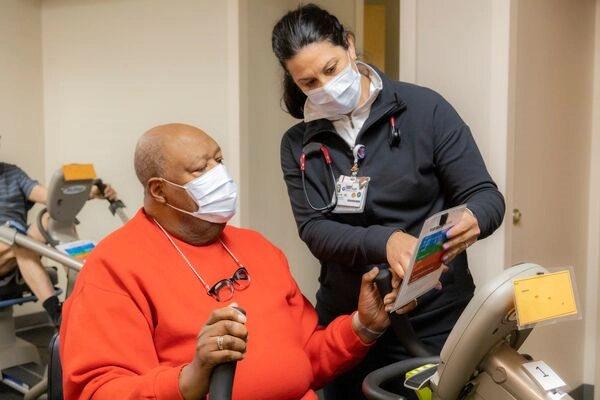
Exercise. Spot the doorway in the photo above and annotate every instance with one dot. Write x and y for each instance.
(381, 35)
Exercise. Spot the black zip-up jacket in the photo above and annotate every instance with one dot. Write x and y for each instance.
(436, 165)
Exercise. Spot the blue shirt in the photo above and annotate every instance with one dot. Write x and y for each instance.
(15, 188)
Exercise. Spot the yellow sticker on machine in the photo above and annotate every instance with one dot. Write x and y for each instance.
(544, 297)
(78, 172)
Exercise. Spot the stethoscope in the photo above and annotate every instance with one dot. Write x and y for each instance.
(359, 151)
(309, 149)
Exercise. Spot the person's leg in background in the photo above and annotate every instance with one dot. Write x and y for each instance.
(32, 271)
(36, 276)
(8, 263)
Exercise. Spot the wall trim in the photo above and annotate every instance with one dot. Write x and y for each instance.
(408, 41)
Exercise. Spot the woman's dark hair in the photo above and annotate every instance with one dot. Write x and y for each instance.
(298, 28)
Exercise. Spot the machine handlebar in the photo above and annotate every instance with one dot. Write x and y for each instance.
(116, 206)
(221, 380)
(400, 323)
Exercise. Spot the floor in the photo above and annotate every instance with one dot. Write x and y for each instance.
(40, 336)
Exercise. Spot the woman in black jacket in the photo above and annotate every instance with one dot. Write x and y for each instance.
(371, 159)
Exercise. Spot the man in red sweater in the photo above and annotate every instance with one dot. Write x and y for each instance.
(151, 313)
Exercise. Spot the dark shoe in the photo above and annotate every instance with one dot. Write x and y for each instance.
(53, 307)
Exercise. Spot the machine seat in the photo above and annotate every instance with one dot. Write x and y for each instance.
(14, 290)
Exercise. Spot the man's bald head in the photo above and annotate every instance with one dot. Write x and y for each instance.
(166, 158)
(159, 147)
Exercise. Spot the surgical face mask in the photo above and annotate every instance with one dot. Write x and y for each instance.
(214, 192)
(340, 95)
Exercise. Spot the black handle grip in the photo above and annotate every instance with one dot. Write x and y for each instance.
(100, 185)
(383, 280)
(114, 204)
(400, 323)
(221, 379)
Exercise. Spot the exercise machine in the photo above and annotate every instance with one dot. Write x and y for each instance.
(20, 363)
(68, 191)
(480, 359)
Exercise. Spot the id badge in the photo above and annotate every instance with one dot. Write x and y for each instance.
(351, 194)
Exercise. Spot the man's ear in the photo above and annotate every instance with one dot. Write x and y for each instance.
(155, 188)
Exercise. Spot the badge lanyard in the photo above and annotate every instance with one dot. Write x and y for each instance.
(359, 152)
(352, 190)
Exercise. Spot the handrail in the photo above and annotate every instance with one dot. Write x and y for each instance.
(11, 236)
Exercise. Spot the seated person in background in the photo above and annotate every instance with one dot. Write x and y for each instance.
(18, 193)
(150, 315)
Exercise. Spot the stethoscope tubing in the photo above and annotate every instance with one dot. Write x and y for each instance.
(307, 150)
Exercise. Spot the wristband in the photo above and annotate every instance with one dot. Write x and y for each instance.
(364, 331)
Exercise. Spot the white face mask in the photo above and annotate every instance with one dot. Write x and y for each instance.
(340, 95)
(214, 192)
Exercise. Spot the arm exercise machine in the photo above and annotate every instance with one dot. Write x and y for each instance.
(480, 359)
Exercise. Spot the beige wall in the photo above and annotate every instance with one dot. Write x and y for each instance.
(460, 49)
(21, 118)
(265, 204)
(22, 140)
(553, 112)
(592, 365)
(264, 200)
(463, 49)
(113, 69)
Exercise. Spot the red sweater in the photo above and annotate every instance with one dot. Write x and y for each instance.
(131, 323)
